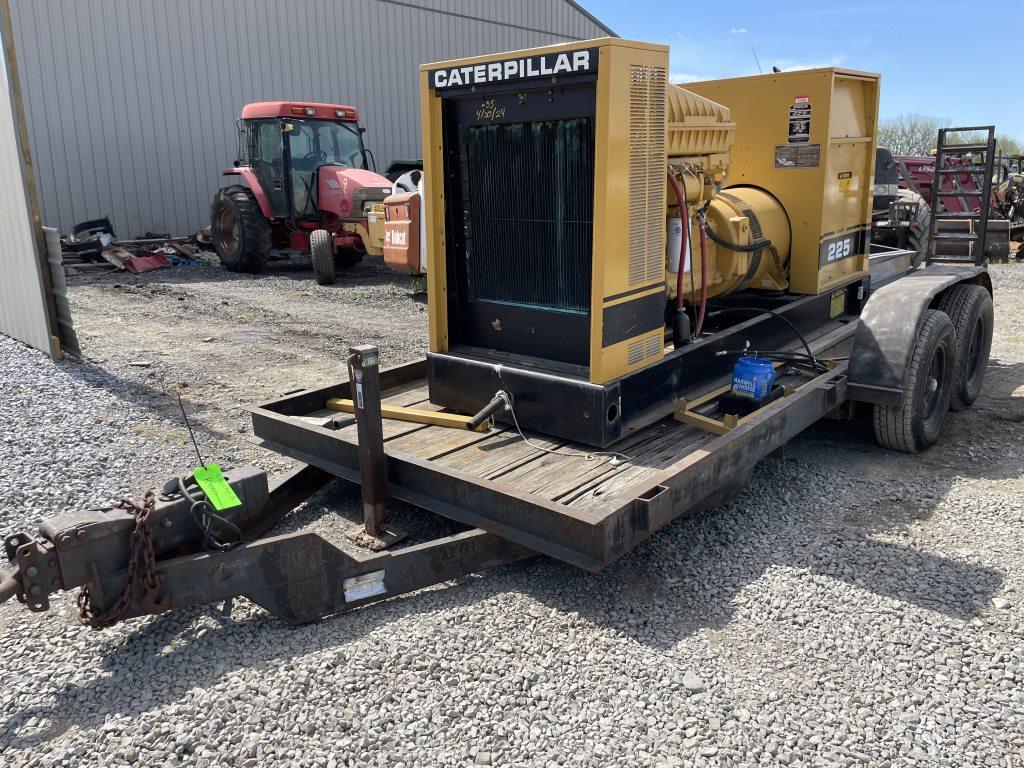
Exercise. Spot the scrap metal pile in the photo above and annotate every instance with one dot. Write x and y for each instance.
(92, 246)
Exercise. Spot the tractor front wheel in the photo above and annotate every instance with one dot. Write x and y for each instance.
(919, 234)
(321, 248)
(241, 233)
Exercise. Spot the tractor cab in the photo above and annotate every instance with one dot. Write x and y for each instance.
(303, 169)
(286, 145)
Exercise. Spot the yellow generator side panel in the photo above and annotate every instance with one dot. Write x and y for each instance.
(808, 138)
(627, 292)
(629, 210)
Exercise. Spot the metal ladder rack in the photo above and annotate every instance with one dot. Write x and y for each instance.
(967, 228)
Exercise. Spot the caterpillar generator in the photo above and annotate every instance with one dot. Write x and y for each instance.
(592, 222)
(637, 291)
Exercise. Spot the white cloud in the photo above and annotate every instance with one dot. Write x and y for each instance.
(738, 31)
(684, 77)
(789, 65)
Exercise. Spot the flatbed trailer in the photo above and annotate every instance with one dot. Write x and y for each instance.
(579, 505)
(516, 495)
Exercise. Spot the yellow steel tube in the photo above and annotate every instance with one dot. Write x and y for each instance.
(415, 415)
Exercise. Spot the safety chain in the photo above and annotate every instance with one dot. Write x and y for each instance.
(141, 552)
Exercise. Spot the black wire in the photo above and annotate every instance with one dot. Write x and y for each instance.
(750, 248)
(783, 318)
(190, 432)
(202, 520)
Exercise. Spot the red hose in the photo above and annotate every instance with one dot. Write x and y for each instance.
(685, 227)
(703, 282)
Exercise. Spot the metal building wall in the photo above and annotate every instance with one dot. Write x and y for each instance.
(132, 103)
(24, 311)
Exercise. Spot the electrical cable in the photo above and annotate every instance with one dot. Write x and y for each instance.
(203, 520)
(191, 434)
(783, 318)
(719, 240)
(703, 283)
(617, 458)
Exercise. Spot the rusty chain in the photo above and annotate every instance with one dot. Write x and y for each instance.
(141, 552)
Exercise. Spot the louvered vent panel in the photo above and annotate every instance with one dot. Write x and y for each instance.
(646, 173)
(654, 345)
(635, 352)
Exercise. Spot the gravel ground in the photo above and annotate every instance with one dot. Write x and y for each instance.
(850, 607)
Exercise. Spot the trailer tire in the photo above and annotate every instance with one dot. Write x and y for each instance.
(916, 423)
(240, 231)
(321, 248)
(919, 234)
(969, 308)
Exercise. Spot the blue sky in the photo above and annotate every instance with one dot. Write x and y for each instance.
(971, 83)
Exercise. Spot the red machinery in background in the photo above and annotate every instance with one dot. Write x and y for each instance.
(307, 184)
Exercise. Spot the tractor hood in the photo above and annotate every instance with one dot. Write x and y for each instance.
(345, 192)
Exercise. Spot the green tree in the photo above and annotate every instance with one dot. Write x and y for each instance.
(914, 134)
(910, 134)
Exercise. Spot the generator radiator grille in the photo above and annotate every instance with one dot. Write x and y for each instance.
(530, 229)
(646, 174)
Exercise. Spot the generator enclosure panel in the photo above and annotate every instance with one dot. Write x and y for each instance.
(808, 138)
(545, 172)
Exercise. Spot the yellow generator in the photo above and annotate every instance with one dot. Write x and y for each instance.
(598, 238)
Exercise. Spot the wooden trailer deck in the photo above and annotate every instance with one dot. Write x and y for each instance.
(578, 504)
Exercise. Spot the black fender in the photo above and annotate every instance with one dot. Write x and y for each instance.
(889, 322)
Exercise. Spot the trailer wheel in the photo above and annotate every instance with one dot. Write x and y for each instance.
(240, 231)
(970, 309)
(916, 423)
(322, 249)
(919, 232)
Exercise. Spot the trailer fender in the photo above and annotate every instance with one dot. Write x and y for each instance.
(889, 322)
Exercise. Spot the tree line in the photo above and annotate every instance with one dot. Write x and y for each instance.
(913, 134)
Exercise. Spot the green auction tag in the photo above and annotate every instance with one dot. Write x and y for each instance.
(216, 488)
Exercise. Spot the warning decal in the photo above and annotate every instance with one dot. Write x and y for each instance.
(800, 121)
(797, 155)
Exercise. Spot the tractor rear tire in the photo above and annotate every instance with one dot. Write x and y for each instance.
(970, 309)
(321, 248)
(919, 236)
(241, 233)
(916, 423)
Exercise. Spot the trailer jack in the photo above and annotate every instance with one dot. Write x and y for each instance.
(298, 577)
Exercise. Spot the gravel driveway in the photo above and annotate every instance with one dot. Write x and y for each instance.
(851, 607)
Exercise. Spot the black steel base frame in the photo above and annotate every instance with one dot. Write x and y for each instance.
(570, 407)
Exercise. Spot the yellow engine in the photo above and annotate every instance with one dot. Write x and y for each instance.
(700, 134)
(793, 157)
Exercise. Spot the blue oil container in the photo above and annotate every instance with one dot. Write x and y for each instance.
(753, 377)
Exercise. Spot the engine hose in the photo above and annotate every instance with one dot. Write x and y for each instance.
(718, 240)
(684, 234)
(703, 282)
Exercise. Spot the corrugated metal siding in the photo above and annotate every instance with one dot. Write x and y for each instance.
(132, 106)
(23, 310)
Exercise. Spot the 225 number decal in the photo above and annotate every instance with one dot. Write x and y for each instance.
(840, 249)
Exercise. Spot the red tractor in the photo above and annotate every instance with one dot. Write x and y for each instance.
(306, 184)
